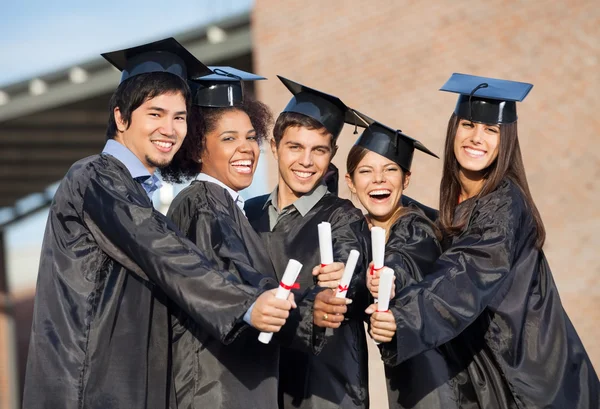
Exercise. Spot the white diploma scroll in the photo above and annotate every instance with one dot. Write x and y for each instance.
(348, 272)
(377, 247)
(386, 280)
(283, 291)
(325, 245)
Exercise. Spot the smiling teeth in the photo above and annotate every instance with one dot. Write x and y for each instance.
(163, 144)
(242, 163)
(474, 152)
(303, 174)
(380, 192)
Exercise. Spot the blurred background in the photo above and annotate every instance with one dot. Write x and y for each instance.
(386, 58)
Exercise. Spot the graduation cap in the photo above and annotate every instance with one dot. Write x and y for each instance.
(221, 88)
(486, 100)
(159, 56)
(326, 109)
(390, 143)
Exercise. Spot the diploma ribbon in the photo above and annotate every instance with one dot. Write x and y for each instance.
(295, 286)
(373, 270)
(342, 288)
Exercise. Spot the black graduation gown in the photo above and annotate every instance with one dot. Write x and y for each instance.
(424, 381)
(493, 293)
(207, 373)
(101, 331)
(431, 213)
(338, 376)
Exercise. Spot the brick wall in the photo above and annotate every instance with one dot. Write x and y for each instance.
(389, 58)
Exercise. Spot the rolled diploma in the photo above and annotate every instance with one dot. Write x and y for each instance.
(325, 245)
(378, 246)
(348, 272)
(386, 280)
(287, 281)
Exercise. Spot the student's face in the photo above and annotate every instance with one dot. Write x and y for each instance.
(156, 130)
(476, 145)
(231, 150)
(377, 181)
(303, 156)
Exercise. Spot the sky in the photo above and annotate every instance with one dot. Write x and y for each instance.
(37, 37)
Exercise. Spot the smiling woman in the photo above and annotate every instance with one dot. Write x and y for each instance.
(378, 173)
(221, 151)
(490, 298)
(223, 143)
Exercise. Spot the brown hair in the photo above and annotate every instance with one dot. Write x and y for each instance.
(356, 154)
(287, 120)
(508, 164)
(202, 121)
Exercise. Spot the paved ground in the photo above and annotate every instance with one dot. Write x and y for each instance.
(377, 389)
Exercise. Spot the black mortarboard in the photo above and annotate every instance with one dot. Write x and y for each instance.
(486, 100)
(221, 88)
(326, 109)
(160, 56)
(391, 143)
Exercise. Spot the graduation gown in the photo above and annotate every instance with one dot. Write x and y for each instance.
(431, 213)
(492, 292)
(338, 376)
(207, 373)
(424, 381)
(101, 331)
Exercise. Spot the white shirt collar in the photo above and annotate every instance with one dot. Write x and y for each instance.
(239, 201)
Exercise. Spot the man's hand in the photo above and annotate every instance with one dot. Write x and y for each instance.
(269, 313)
(328, 310)
(373, 282)
(329, 276)
(383, 324)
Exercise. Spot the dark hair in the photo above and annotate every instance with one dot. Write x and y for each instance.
(356, 154)
(202, 121)
(287, 120)
(134, 91)
(508, 164)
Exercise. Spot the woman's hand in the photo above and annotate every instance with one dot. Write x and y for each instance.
(373, 282)
(383, 324)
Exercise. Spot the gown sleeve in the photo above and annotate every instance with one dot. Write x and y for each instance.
(411, 250)
(143, 240)
(462, 283)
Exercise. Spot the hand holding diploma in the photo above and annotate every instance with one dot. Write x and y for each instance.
(329, 276)
(383, 324)
(273, 310)
(329, 307)
(329, 310)
(373, 282)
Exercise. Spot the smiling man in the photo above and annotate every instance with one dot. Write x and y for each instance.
(304, 143)
(101, 331)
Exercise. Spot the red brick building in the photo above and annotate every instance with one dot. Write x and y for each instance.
(388, 58)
